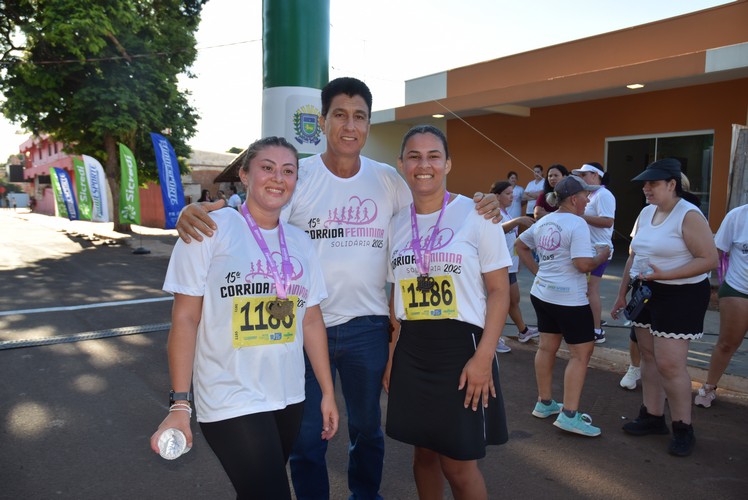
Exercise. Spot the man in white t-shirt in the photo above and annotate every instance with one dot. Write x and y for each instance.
(534, 189)
(234, 200)
(344, 202)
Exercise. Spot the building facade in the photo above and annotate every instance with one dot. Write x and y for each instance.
(574, 103)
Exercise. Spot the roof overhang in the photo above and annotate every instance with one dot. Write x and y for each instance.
(682, 70)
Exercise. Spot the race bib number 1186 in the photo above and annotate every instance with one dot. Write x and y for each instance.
(439, 302)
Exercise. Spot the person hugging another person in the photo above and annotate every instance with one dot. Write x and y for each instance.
(449, 269)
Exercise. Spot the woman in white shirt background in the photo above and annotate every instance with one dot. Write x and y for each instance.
(732, 243)
(600, 216)
(504, 191)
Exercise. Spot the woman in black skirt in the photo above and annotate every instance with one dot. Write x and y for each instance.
(449, 269)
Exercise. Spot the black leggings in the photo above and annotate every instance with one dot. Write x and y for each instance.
(254, 449)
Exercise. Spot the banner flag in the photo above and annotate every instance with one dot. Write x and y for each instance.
(62, 210)
(97, 187)
(66, 189)
(129, 194)
(81, 187)
(171, 182)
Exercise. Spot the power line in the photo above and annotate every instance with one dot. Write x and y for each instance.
(118, 58)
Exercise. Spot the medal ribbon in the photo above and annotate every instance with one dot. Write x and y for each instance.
(423, 256)
(286, 266)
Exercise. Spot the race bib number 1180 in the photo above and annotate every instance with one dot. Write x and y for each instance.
(252, 325)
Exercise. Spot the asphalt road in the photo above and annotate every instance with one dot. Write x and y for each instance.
(76, 416)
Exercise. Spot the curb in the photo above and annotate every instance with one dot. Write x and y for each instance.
(615, 360)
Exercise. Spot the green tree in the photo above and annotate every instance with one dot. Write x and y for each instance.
(93, 74)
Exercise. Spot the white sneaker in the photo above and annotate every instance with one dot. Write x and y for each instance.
(531, 333)
(629, 380)
(706, 396)
(502, 347)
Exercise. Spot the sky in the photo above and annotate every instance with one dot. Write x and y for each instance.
(383, 43)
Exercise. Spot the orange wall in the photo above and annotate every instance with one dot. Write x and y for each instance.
(574, 133)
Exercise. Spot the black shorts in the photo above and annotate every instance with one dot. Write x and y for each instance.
(575, 323)
(424, 408)
(728, 291)
(676, 311)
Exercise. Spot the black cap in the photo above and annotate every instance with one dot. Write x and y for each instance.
(572, 184)
(667, 168)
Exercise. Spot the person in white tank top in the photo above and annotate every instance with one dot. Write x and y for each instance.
(671, 252)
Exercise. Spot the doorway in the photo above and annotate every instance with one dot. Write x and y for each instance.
(626, 157)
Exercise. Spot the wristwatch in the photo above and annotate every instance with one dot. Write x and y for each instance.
(179, 396)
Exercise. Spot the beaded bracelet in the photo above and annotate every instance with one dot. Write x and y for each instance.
(181, 407)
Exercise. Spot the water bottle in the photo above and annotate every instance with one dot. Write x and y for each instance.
(172, 444)
(643, 265)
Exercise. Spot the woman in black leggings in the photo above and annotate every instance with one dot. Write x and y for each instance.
(246, 307)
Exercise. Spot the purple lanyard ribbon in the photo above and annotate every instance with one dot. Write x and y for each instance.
(423, 256)
(286, 266)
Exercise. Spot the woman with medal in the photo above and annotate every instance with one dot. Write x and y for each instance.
(449, 269)
(246, 302)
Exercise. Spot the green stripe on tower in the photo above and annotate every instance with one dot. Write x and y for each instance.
(296, 43)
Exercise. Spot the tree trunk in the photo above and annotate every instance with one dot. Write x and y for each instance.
(113, 173)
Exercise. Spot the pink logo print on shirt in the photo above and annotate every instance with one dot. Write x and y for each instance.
(357, 212)
(550, 241)
(260, 268)
(441, 239)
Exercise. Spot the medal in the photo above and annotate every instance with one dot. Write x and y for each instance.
(280, 309)
(425, 283)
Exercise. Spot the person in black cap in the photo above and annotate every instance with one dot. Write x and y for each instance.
(671, 252)
(559, 296)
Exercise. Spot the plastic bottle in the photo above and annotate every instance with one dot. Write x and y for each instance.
(644, 268)
(172, 444)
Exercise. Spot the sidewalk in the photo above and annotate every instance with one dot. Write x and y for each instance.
(159, 242)
(612, 355)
